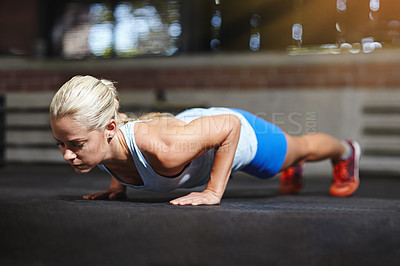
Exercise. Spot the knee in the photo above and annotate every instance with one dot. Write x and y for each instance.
(298, 151)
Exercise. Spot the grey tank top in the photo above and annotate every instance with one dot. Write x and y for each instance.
(197, 173)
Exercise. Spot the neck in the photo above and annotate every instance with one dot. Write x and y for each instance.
(118, 151)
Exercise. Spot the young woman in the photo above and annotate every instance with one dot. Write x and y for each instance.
(197, 147)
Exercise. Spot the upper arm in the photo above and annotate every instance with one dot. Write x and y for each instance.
(184, 143)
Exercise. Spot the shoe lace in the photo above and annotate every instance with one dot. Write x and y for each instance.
(341, 170)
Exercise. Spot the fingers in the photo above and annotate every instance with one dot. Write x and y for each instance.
(193, 198)
(106, 194)
(196, 199)
(97, 196)
(181, 201)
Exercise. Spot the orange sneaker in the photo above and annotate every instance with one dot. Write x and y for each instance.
(292, 180)
(346, 173)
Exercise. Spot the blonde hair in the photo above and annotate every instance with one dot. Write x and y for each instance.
(155, 115)
(93, 102)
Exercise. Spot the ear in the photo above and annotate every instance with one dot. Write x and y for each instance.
(111, 129)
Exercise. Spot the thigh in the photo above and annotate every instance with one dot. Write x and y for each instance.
(297, 151)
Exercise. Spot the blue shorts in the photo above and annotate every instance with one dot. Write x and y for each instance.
(271, 147)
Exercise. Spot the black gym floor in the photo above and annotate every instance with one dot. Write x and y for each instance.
(44, 221)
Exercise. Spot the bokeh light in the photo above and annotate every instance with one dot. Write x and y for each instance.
(128, 29)
(142, 27)
(297, 32)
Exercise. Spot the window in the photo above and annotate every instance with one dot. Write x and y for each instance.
(123, 29)
(120, 29)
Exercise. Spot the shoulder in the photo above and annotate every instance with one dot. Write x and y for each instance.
(151, 135)
(152, 140)
(171, 144)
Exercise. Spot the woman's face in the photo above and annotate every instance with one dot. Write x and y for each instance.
(83, 149)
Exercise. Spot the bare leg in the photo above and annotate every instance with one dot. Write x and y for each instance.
(312, 147)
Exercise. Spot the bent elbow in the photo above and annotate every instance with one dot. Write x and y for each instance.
(234, 123)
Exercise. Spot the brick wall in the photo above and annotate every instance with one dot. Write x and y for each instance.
(209, 72)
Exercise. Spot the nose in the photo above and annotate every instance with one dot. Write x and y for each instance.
(69, 155)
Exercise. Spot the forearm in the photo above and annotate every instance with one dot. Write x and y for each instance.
(219, 132)
(220, 174)
(116, 185)
(223, 160)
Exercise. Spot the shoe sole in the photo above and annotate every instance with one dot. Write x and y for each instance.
(357, 155)
(353, 187)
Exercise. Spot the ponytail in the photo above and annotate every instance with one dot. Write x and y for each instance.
(92, 102)
(89, 100)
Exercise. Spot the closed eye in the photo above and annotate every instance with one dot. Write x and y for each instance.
(59, 143)
(78, 145)
(74, 145)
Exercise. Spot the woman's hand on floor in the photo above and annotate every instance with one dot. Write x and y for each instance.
(111, 193)
(198, 198)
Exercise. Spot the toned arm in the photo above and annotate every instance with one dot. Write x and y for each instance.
(182, 144)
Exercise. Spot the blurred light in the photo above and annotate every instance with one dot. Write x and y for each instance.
(355, 48)
(367, 39)
(171, 50)
(122, 11)
(147, 18)
(128, 29)
(255, 20)
(331, 48)
(255, 37)
(334, 49)
(394, 24)
(215, 45)
(96, 12)
(216, 20)
(142, 31)
(338, 27)
(371, 16)
(73, 45)
(368, 47)
(297, 32)
(377, 45)
(255, 42)
(374, 5)
(393, 32)
(175, 29)
(217, 2)
(341, 5)
(126, 35)
(100, 35)
(345, 46)
(100, 38)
